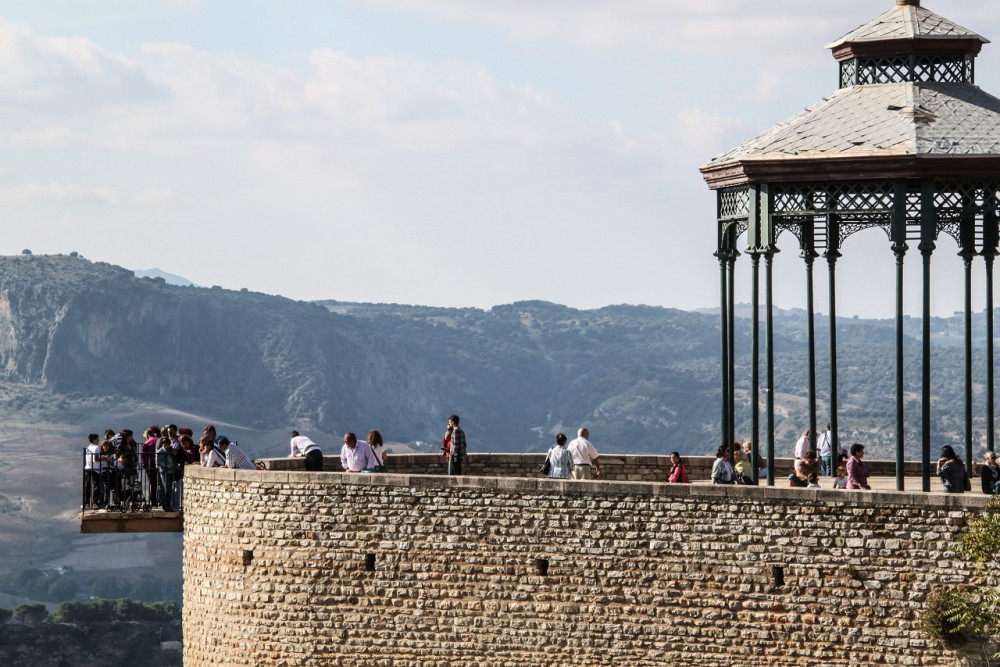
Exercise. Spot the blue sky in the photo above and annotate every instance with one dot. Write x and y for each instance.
(443, 152)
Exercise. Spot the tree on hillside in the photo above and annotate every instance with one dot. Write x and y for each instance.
(30, 614)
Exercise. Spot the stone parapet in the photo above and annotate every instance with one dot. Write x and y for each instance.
(295, 568)
(615, 467)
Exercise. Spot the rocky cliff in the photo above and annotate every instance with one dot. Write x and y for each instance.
(74, 326)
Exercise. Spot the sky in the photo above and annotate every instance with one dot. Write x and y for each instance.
(435, 152)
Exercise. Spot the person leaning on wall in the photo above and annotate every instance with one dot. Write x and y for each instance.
(951, 470)
(302, 445)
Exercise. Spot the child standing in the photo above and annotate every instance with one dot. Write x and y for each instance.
(840, 481)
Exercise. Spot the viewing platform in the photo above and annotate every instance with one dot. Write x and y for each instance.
(152, 521)
(614, 468)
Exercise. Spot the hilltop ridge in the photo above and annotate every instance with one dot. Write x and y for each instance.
(75, 333)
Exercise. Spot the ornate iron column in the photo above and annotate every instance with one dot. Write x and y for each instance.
(991, 232)
(967, 261)
(899, 249)
(928, 230)
(730, 331)
(832, 253)
(769, 352)
(724, 346)
(755, 367)
(809, 255)
(990, 438)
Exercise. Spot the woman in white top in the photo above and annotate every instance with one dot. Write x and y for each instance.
(560, 460)
(378, 449)
(722, 469)
(210, 456)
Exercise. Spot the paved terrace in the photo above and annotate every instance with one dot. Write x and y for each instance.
(614, 468)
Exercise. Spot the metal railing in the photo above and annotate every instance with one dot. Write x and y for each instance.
(125, 487)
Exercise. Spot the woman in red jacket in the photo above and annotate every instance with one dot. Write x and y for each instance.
(678, 473)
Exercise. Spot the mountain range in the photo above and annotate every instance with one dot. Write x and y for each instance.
(75, 333)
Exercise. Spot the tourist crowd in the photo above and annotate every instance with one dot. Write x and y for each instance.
(123, 473)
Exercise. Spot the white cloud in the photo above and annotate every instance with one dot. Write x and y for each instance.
(701, 131)
(68, 193)
(719, 28)
(48, 71)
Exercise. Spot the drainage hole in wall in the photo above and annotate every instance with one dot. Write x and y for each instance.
(247, 556)
(370, 562)
(542, 566)
(778, 575)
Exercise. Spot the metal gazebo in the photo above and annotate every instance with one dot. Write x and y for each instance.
(908, 144)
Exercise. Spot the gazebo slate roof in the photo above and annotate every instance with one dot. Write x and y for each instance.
(907, 22)
(896, 121)
(903, 129)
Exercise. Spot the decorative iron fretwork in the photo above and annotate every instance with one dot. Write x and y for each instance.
(738, 227)
(849, 73)
(795, 225)
(958, 201)
(861, 201)
(734, 203)
(853, 205)
(854, 200)
(948, 68)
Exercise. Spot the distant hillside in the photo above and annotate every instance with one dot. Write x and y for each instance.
(169, 278)
(76, 333)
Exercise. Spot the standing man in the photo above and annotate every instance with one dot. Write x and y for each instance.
(456, 436)
(802, 446)
(303, 446)
(584, 456)
(235, 458)
(93, 476)
(354, 458)
(824, 447)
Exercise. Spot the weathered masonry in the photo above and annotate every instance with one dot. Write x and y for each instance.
(294, 568)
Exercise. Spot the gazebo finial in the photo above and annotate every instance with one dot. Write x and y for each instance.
(915, 3)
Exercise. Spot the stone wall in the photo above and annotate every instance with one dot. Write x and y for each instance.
(614, 467)
(294, 568)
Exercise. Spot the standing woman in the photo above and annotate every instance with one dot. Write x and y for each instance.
(722, 469)
(149, 461)
(857, 473)
(560, 460)
(951, 470)
(378, 449)
(678, 473)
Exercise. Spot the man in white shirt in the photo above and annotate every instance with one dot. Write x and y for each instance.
(354, 458)
(824, 447)
(802, 446)
(93, 475)
(584, 456)
(303, 446)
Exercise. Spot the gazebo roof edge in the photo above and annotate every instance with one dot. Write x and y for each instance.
(749, 170)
